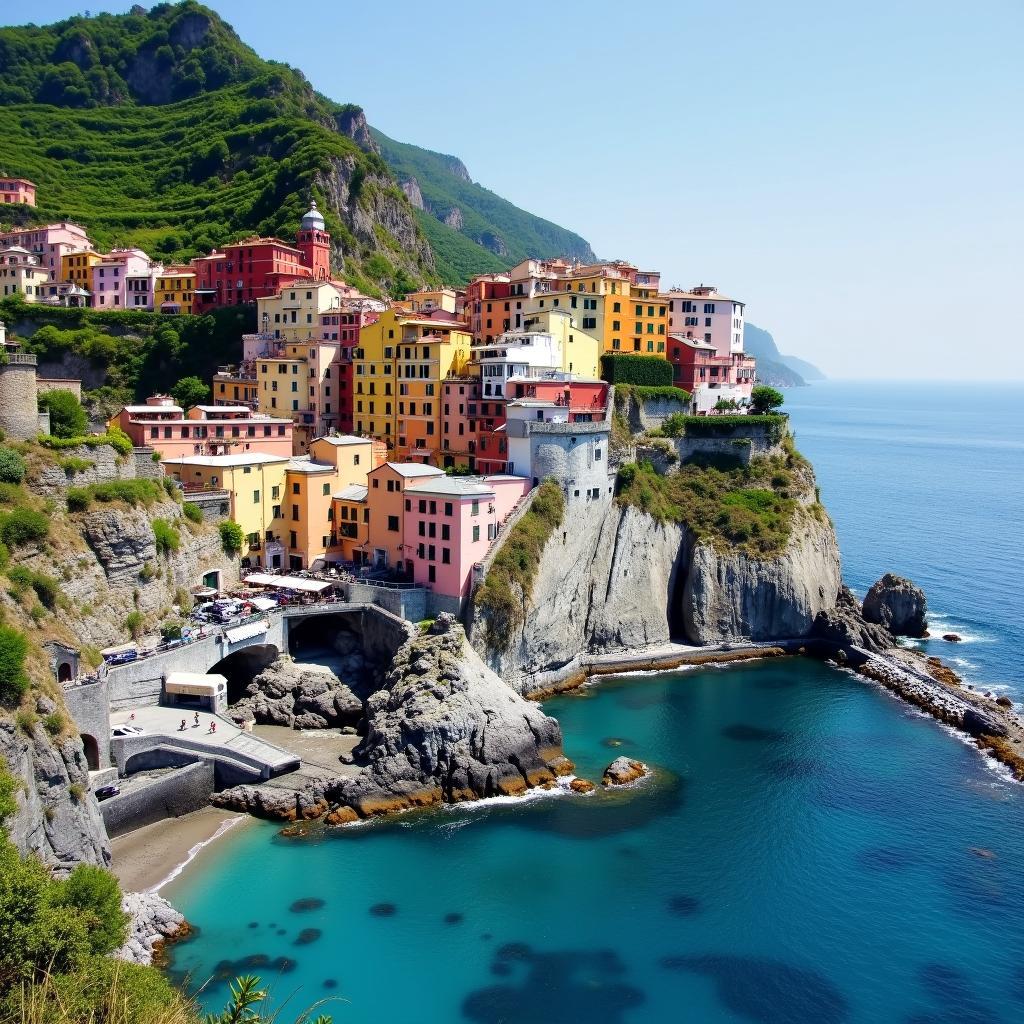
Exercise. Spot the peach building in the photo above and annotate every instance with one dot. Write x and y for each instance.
(17, 190)
(205, 430)
(21, 273)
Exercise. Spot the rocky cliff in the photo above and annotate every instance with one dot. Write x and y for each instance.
(613, 579)
(58, 819)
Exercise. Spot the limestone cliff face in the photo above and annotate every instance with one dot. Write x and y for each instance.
(58, 818)
(730, 595)
(613, 579)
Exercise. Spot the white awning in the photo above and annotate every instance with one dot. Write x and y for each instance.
(195, 684)
(110, 652)
(262, 579)
(264, 604)
(245, 632)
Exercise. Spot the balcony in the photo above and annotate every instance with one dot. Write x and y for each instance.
(22, 358)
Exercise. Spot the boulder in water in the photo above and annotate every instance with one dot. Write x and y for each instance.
(898, 605)
(622, 771)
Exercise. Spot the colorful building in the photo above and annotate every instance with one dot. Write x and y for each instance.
(293, 313)
(399, 367)
(703, 314)
(49, 242)
(384, 546)
(205, 430)
(711, 378)
(76, 269)
(448, 527)
(174, 291)
(433, 300)
(17, 190)
(234, 387)
(123, 279)
(21, 273)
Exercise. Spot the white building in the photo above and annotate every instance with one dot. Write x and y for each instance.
(705, 315)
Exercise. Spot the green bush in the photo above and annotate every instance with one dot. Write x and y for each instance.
(47, 589)
(9, 789)
(648, 371)
(67, 417)
(23, 526)
(13, 681)
(132, 492)
(509, 581)
(116, 439)
(764, 399)
(72, 465)
(78, 499)
(192, 512)
(171, 631)
(167, 537)
(133, 623)
(55, 723)
(231, 536)
(190, 391)
(12, 466)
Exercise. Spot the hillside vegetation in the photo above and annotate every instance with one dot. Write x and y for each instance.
(487, 221)
(163, 130)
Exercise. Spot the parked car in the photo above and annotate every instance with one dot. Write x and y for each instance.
(127, 730)
(105, 792)
(120, 655)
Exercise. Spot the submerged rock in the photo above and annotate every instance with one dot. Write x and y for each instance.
(622, 771)
(898, 605)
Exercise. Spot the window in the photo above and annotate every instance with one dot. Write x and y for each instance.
(476, 533)
(447, 508)
(446, 532)
(475, 508)
(393, 524)
(327, 489)
(255, 497)
(446, 556)
(295, 513)
(276, 512)
(431, 574)
(296, 489)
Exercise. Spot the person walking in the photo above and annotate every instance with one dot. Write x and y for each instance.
(195, 721)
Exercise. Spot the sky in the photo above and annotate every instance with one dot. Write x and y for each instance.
(853, 172)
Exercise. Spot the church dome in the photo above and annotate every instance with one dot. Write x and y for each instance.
(313, 220)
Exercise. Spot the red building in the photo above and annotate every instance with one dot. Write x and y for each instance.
(710, 378)
(256, 267)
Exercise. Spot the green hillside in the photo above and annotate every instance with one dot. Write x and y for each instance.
(162, 129)
(488, 222)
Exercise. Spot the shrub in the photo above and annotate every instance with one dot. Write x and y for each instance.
(171, 631)
(72, 465)
(133, 623)
(54, 723)
(167, 537)
(189, 391)
(12, 466)
(67, 417)
(147, 572)
(509, 581)
(78, 499)
(192, 512)
(115, 438)
(231, 536)
(764, 399)
(649, 371)
(25, 719)
(46, 587)
(132, 492)
(674, 425)
(9, 788)
(23, 526)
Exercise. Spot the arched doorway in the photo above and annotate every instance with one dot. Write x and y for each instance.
(64, 672)
(242, 666)
(92, 752)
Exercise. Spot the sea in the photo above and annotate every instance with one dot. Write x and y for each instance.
(809, 849)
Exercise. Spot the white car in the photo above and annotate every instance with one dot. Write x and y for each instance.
(127, 730)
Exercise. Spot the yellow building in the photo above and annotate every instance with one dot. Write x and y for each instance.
(580, 350)
(174, 290)
(429, 300)
(294, 313)
(398, 368)
(255, 484)
(76, 267)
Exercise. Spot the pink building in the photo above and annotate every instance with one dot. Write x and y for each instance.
(123, 279)
(205, 430)
(704, 315)
(17, 190)
(49, 242)
(449, 525)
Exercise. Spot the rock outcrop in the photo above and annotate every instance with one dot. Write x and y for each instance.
(152, 922)
(845, 625)
(58, 819)
(300, 695)
(898, 605)
(622, 771)
(443, 728)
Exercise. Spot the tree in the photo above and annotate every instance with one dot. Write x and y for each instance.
(67, 417)
(94, 896)
(231, 536)
(189, 391)
(765, 399)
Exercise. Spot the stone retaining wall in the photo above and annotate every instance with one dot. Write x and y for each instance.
(178, 792)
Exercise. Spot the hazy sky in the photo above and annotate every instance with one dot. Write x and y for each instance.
(853, 172)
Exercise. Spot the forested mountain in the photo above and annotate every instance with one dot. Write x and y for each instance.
(162, 129)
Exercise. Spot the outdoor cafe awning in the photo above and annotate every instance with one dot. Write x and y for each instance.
(262, 579)
(246, 631)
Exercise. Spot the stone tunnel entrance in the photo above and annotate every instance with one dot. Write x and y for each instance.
(92, 751)
(241, 667)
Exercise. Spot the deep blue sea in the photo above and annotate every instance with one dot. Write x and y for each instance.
(810, 851)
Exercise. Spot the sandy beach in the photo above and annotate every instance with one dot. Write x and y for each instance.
(146, 857)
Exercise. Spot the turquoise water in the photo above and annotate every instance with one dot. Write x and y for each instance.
(811, 851)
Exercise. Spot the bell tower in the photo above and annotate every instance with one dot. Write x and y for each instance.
(315, 243)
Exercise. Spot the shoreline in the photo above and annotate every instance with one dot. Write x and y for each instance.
(148, 858)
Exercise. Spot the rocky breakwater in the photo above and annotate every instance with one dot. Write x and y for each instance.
(442, 728)
(152, 923)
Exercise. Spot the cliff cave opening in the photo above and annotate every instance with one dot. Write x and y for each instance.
(674, 598)
(241, 667)
(92, 751)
